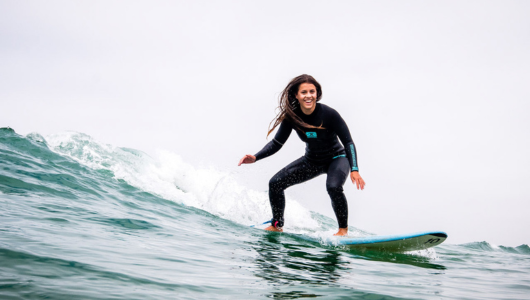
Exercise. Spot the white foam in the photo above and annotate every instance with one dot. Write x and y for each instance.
(427, 253)
(169, 177)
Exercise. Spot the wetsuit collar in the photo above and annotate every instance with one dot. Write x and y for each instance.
(314, 113)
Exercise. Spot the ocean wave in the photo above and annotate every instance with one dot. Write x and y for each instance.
(81, 219)
(485, 246)
(165, 175)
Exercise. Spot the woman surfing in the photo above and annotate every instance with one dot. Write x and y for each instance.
(320, 127)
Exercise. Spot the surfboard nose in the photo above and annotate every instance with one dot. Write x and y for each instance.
(440, 234)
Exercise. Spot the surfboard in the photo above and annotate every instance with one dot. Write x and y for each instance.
(393, 243)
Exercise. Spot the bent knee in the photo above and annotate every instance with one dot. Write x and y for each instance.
(276, 184)
(334, 190)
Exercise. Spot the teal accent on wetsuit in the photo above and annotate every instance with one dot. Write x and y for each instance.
(311, 135)
(354, 158)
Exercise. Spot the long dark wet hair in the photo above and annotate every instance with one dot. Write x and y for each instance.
(288, 104)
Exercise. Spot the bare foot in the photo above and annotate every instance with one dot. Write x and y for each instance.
(272, 228)
(342, 232)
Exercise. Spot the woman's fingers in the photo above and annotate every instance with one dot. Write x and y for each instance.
(247, 159)
(361, 183)
(242, 161)
(357, 180)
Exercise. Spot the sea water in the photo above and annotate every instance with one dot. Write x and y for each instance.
(84, 220)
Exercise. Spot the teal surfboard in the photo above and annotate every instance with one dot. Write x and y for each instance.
(393, 243)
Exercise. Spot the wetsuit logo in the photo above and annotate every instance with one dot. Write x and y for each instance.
(311, 135)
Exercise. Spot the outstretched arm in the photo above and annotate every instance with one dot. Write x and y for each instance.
(272, 147)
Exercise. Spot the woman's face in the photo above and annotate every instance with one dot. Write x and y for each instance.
(307, 96)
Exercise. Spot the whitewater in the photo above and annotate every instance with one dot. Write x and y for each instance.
(80, 219)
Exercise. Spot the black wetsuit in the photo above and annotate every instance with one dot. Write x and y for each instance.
(324, 154)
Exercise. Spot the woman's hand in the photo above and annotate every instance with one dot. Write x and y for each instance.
(247, 159)
(357, 179)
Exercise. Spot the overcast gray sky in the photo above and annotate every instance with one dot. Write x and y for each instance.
(436, 95)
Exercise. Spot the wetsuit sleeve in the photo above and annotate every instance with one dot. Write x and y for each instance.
(343, 132)
(276, 144)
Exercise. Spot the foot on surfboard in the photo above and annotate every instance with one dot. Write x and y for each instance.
(272, 228)
(342, 232)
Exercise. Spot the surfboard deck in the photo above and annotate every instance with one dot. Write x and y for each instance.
(394, 243)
